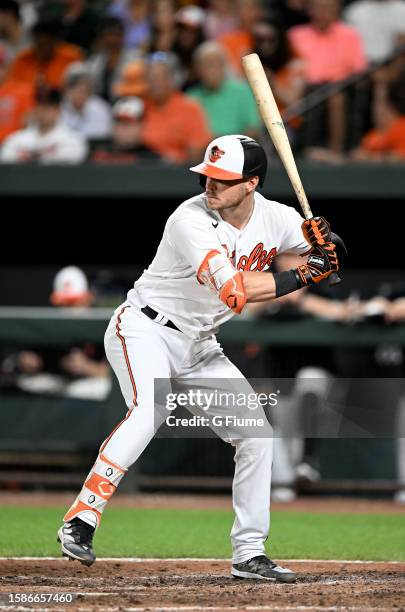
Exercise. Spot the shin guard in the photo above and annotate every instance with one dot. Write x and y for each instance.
(99, 486)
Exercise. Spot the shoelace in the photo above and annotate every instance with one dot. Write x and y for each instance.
(82, 532)
(256, 562)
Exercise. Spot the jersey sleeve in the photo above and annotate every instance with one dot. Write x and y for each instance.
(293, 238)
(193, 239)
(198, 243)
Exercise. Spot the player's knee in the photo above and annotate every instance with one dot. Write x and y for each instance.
(254, 447)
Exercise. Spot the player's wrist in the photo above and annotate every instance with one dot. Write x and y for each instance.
(287, 282)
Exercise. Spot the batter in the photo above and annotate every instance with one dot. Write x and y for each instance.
(213, 258)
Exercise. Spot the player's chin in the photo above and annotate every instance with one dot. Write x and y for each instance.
(214, 202)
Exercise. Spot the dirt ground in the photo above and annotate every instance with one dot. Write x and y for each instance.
(192, 585)
(205, 502)
(207, 585)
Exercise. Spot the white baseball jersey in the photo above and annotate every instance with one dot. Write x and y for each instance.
(170, 284)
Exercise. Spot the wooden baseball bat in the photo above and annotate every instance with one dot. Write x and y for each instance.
(272, 119)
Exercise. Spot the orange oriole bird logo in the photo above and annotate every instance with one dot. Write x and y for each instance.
(215, 154)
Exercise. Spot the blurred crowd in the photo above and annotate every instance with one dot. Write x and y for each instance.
(123, 80)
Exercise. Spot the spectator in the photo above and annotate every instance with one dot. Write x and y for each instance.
(379, 23)
(80, 372)
(46, 141)
(284, 70)
(220, 19)
(71, 289)
(132, 80)
(396, 67)
(80, 22)
(135, 15)
(45, 61)
(387, 140)
(28, 13)
(228, 103)
(82, 111)
(106, 64)
(163, 30)
(240, 42)
(175, 124)
(189, 35)
(126, 145)
(290, 12)
(12, 34)
(332, 51)
(16, 101)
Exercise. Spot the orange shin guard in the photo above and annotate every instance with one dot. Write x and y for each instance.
(100, 485)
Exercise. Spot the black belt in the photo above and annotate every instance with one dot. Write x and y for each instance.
(152, 314)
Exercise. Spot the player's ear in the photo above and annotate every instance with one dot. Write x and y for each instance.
(252, 183)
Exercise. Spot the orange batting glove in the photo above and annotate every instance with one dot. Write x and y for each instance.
(322, 262)
(316, 231)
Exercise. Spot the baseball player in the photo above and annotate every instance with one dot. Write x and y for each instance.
(214, 257)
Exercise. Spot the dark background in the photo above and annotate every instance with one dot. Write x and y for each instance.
(41, 235)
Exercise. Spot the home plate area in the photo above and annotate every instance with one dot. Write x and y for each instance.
(168, 585)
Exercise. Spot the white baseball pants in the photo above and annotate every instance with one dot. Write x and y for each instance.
(140, 350)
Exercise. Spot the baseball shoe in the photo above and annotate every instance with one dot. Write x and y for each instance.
(76, 539)
(262, 568)
(305, 471)
(283, 495)
(399, 497)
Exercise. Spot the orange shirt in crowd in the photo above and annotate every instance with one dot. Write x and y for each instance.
(27, 68)
(391, 140)
(331, 55)
(16, 100)
(236, 44)
(176, 126)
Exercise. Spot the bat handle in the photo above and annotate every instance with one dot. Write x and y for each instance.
(334, 279)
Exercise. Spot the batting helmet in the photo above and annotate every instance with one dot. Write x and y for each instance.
(233, 157)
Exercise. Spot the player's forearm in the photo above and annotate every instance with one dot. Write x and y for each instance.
(264, 286)
(259, 286)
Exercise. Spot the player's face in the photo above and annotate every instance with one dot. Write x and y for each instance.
(226, 194)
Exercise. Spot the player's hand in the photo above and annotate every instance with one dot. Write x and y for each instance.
(316, 231)
(322, 262)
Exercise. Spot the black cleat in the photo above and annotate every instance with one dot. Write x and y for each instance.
(262, 568)
(76, 539)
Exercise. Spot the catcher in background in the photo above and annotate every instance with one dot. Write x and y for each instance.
(209, 264)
